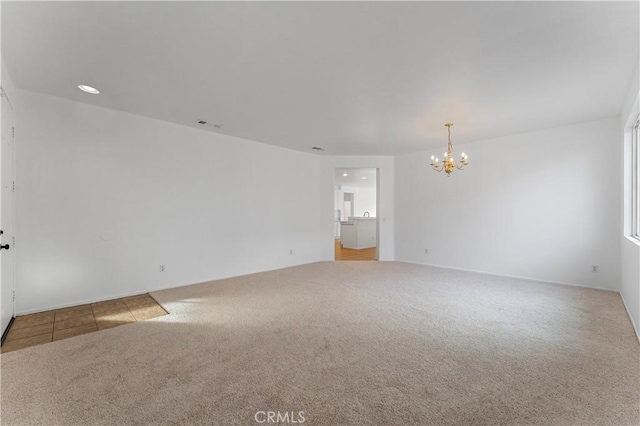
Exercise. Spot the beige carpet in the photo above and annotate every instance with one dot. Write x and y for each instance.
(346, 343)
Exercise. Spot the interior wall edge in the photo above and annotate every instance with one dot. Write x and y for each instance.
(626, 307)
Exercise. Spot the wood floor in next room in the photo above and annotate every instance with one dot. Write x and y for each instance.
(44, 327)
(353, 254)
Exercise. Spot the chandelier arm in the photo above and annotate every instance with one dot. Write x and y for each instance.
(460, 167)
(436, 168)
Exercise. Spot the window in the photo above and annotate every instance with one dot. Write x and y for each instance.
(635, 184)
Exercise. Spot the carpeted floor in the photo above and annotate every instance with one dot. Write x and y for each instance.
(345, 343)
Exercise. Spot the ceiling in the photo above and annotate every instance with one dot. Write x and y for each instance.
(361, 178)
(355, 78)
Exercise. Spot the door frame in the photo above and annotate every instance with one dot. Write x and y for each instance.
(11, 242)
(334, 186)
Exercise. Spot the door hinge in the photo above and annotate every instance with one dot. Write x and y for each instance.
(13, 240)
(13, 132)
(14, 295)
(13, 186)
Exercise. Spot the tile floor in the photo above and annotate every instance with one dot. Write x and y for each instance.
(44, 327)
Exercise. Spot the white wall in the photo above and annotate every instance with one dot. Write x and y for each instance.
(385, 213)
(630, 250)
(104, 198)
(365, 201)
(541, 205)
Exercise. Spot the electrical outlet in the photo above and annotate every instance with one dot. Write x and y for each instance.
(595, 268)
(161, 268)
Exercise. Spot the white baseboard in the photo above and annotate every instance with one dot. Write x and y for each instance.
(84, 302)
(78, 303)
(151, 290)
(514, 276)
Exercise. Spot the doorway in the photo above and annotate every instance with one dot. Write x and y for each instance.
(7, 188)
(355, 213)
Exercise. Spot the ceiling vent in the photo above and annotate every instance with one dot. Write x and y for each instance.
(206, 123)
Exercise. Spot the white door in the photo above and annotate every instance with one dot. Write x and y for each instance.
(7, 213)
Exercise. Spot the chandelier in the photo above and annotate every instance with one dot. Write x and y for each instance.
(448, 164)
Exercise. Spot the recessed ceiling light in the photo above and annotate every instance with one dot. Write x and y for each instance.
(363, 178)
(344, 174)
(88, 89)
